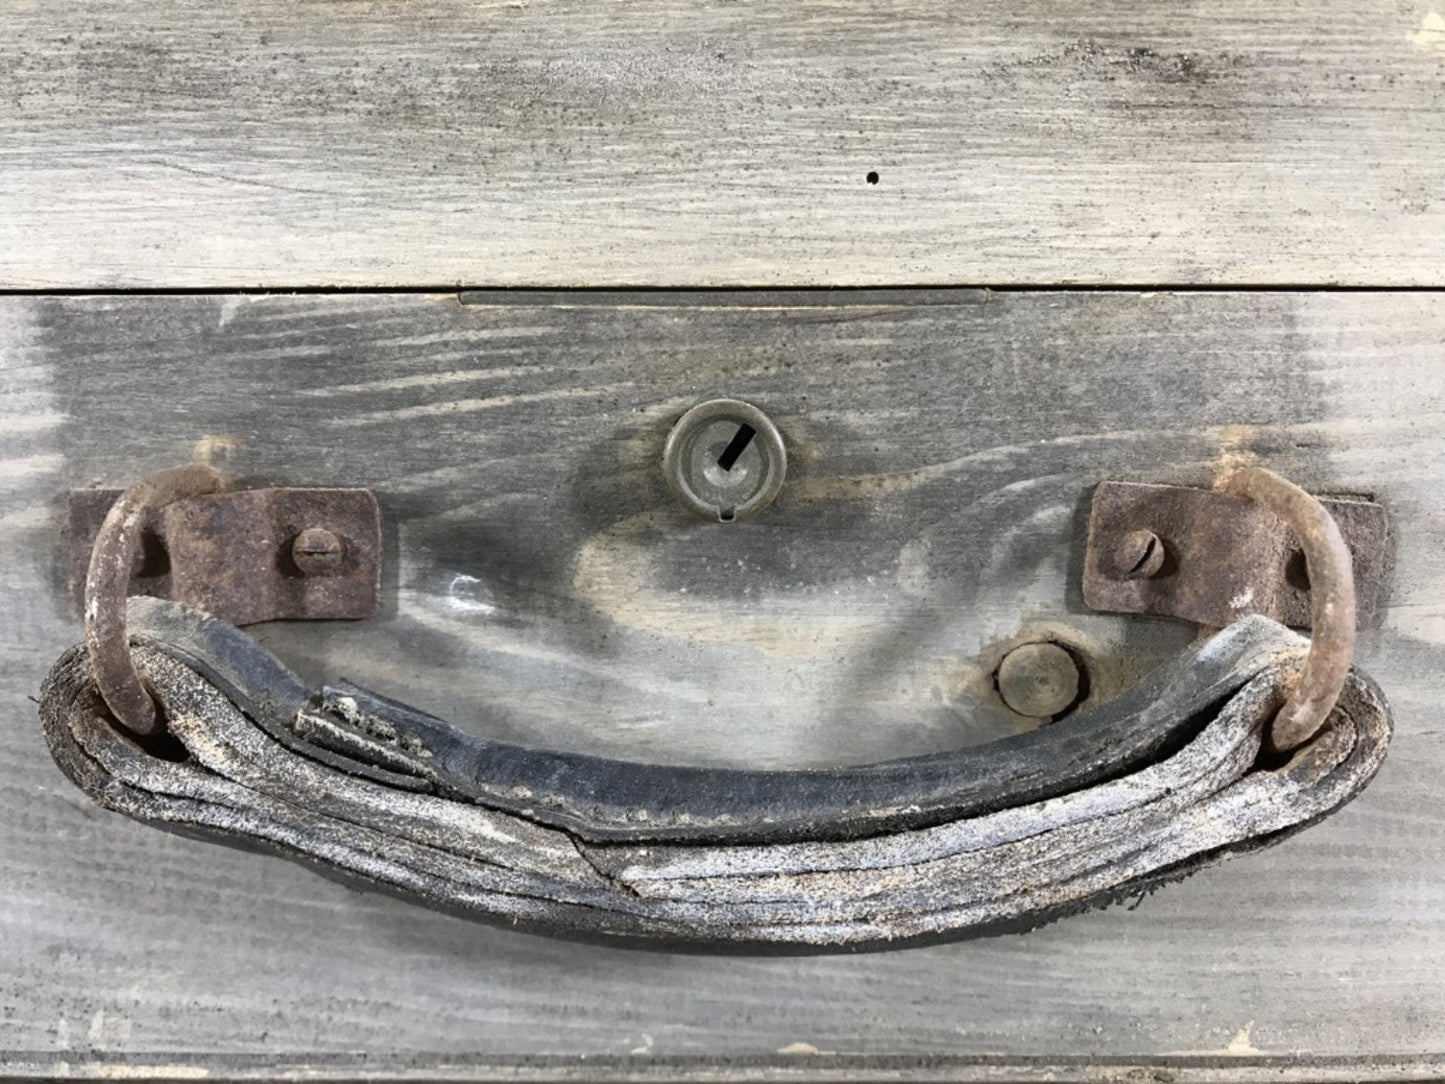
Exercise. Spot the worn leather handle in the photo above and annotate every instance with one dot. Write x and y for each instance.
(1098, 806)
(600, 799)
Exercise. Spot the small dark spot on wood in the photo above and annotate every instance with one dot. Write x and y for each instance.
(872, 177)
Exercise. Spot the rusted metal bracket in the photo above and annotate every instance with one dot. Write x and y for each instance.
(1212, 558)
(250, 555)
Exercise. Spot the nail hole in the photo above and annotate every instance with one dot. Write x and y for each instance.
(872, 177)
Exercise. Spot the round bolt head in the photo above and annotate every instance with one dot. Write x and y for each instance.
(1139, 555)
(725, 460)
(1038, 680)
(317, 552)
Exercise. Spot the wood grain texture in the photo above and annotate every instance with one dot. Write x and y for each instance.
(546, 585)
(557, 142)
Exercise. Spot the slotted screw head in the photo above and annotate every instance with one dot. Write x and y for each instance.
(317, 552)
(1139, 555)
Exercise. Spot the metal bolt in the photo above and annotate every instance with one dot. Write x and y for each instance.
(317, 552)
(1039, 680)
(1139, 555)
(725, 460)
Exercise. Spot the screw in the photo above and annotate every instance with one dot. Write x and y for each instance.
(1039, 680)
(317, 552)
(1139, 555)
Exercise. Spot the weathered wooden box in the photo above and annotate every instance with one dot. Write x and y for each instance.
(478, 257)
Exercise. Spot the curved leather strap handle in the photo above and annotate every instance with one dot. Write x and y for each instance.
(599, 798)
(1095, 807)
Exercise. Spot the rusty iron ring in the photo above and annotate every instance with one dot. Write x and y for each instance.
(107, 583)
(1332, 603)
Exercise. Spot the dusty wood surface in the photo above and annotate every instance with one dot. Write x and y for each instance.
(535, 142)
(546, 584)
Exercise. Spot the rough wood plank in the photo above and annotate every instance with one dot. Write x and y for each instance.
(945, 446)
(558, 142)
(797, 1065)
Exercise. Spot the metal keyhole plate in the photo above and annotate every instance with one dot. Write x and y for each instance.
(725, 460)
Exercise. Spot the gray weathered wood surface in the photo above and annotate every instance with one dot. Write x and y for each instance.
(546, 586)
(559, 142)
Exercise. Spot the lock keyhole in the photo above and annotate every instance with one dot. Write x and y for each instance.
(736, 447)
(725, 460)
(721, 466)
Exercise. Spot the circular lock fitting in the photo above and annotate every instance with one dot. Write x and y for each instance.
(725, 460)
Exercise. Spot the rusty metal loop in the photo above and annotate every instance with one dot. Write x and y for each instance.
(107, 584)
(1332, 603)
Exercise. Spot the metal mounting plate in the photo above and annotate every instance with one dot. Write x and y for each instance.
(231, 554)
(1224, 557)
